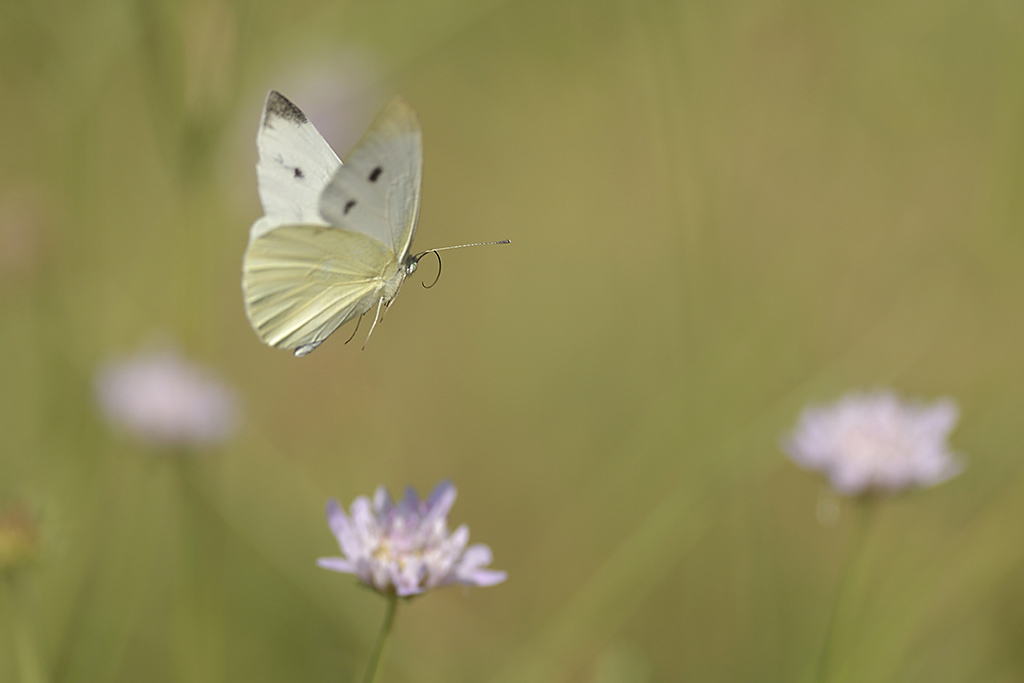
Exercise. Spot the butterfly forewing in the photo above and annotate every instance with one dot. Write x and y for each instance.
(295, 165)
(377, 191)
(302, 282)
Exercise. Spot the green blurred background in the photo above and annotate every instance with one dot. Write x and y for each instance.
(718, 211)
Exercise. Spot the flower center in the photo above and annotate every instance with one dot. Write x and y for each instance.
(875, 444)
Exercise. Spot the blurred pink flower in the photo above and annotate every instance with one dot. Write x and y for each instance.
(875, 441)
(340, 92)
(405, 549)
(166, 400)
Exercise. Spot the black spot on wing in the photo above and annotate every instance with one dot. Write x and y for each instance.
(280, 107)
(376, 174)
(299, 173)
(348, 205)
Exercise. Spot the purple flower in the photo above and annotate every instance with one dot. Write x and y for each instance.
(875, 441)
(405, 549)
(165, 400)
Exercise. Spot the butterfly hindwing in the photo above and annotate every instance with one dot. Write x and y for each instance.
(377, 191)
(295, 165)
(302, 282)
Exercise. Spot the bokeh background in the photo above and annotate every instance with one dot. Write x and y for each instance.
(719, 212)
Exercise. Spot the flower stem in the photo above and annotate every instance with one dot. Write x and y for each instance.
(385, 629)
(29, 667)
(199, 583)
(862, 507)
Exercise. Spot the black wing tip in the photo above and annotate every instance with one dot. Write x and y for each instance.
(280, 107)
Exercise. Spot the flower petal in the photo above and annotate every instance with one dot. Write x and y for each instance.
(941, 417)
(337, 564)
(484, 577)
(381, 502)
(441, 499)
(410, 503)
(364, 525)
(458, 540)
(337, 519)
(476, 556)
(341, 525)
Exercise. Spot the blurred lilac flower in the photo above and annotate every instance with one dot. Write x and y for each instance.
(341, 92)
(166, 400)
(876, 442)
(405, 549)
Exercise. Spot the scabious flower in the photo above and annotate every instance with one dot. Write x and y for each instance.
(405, 549)
(876, 442)
(166, 400)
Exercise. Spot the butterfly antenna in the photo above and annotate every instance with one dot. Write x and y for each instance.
(376, 317)
(420, 255)
(358, 320)
(425, 286)
(459, 246)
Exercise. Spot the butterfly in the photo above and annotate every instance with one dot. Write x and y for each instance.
(335, 239)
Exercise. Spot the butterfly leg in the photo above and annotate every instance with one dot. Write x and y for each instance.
(376, 317)
(358, 320)
(387, 304)
(391, 300)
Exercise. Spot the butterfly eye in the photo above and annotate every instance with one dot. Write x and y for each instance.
(410, 267)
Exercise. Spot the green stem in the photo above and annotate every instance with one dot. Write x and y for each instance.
(385, 629)
(862, 511)
(200, 596)
(30, 669)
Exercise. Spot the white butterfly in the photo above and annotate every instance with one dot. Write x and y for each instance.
(335, 239)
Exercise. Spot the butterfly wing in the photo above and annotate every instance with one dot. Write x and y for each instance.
(377, 191)
(295, 165)
(302, 282)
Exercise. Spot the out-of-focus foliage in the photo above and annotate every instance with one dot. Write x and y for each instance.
(719, 212)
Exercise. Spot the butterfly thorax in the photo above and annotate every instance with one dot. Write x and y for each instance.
(394, 283)
(391, 285)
